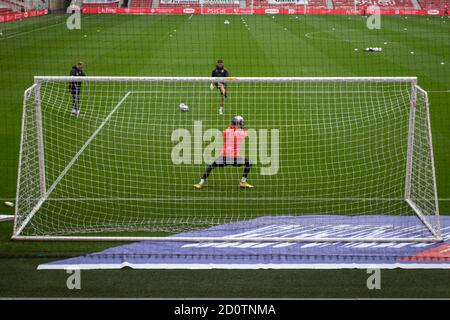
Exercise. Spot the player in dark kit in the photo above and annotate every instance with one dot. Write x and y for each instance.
(220, 71)
(75, 87)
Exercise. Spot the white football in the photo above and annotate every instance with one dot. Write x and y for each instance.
(9, 204)
(184, 107)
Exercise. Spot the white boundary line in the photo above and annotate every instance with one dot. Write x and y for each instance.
(70, 164)
(197, 266)
(6, 217)
(18, 34)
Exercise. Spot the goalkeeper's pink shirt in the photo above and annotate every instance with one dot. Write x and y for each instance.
(232, 140)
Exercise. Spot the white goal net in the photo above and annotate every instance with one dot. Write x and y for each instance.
(332, 159)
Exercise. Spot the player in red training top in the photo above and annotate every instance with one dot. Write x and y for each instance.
(233, 137)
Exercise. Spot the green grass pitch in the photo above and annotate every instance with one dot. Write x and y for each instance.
(188, 46)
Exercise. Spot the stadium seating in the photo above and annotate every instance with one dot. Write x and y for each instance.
(140, 3)
(196, 3)
(347, 4)
(93, 4)
(434, 4)
(266, 4)
(99, 5)
(5, 11)
(14, 5)
(386, 4)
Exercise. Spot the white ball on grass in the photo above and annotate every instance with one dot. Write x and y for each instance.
(9, 204)
(184, 107)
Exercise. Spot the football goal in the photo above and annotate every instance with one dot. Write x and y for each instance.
(351, 156)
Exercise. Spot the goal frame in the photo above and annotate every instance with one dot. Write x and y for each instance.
(435, 233)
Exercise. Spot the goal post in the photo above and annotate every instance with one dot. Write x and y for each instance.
(332, 159)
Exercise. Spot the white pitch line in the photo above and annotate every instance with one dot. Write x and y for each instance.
(18, 34)
(241, 266)
(190, 17)
(27, 32)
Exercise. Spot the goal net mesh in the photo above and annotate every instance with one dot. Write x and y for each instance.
(328, 149)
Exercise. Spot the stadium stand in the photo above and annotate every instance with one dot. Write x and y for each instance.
(386, 4)
(114, 4)
(17, 6)
(287, 4)
(100, 4)
(5, 11)
(22, 5)
(434, 4)
(140, 4)
(197, 3)
(322, 4)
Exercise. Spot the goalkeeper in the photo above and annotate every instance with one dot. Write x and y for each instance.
(220, 71)
(233, 136)
(75, 87)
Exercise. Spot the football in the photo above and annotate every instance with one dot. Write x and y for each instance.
(184, 107)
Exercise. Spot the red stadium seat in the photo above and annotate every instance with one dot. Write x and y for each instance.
(384, 4)
(434, 4)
